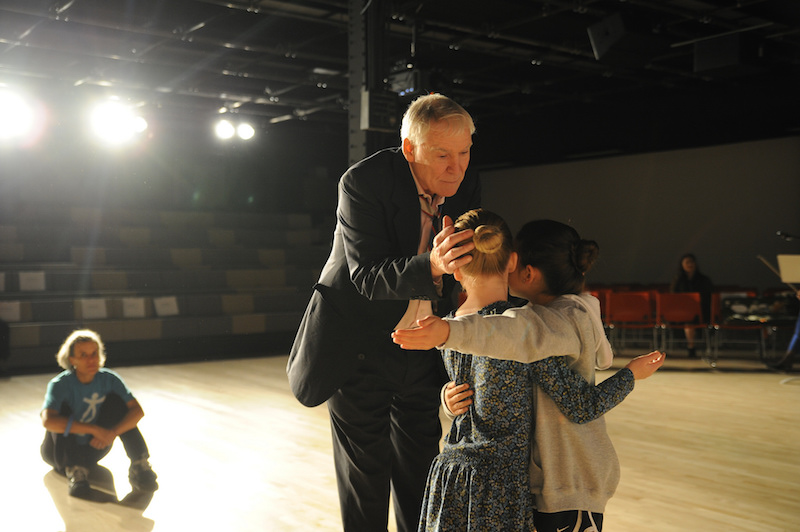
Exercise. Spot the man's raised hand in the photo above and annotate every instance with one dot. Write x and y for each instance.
(449, 249)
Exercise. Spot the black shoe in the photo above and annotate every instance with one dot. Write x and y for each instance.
(79, 482)
(692, 352)
(142, 476)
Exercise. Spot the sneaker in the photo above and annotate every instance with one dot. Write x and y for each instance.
(78, 481)
(142, 476)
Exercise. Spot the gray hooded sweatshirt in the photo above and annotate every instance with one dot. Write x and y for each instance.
(573, 467)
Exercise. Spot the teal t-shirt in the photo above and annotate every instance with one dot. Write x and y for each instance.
(84, 400)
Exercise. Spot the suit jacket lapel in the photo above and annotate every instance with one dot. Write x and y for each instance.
(407, 217)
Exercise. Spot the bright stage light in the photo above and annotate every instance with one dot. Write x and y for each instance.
(19, 120)
(139, 124)
(245, 131)
(116, 123)
(224, 129)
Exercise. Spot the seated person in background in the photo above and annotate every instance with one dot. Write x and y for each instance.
(689, 279)
(85, 408)
(793, 347)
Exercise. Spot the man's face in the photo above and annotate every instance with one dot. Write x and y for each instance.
(440, 162)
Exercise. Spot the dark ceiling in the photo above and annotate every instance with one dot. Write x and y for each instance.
(547, 80)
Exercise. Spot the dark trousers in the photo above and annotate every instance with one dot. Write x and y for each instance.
(794, 343)
(386, 431)
(569, 521)
(62, 452)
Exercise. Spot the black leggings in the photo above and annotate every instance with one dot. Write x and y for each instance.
(65, 451)
(569, 521)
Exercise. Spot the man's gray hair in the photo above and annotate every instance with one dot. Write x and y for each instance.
(432, 109)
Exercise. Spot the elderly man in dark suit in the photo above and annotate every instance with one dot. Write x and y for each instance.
(386, 270)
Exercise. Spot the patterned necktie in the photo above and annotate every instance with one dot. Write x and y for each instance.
(435, 215)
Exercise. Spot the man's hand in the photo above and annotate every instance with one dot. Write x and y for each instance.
(447, 254)
(645, 365)
(431, 332)
(457, 398)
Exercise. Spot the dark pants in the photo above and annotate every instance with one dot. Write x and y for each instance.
(794, 343)
(569, 521)
(62, 452)
(386, 431)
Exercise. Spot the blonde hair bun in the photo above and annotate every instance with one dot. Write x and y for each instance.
(488, 239)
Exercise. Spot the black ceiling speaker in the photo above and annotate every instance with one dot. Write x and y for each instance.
(605, 33)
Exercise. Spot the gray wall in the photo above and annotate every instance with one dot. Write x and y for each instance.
(723, 203)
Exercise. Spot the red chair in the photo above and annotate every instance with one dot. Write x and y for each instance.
(629, 311)
(679, 312)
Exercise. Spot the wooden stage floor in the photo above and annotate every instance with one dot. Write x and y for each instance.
(701, 450)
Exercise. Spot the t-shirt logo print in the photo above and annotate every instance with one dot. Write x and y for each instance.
(91, 412)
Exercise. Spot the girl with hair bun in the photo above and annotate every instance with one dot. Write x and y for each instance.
(482, 479)
(573, 467)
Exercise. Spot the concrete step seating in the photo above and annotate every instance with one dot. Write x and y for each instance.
(154, 277)
(51, 243)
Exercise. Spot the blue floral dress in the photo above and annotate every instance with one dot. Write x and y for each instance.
(480, 480)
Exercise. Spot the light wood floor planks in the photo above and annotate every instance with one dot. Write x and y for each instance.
(701, 450)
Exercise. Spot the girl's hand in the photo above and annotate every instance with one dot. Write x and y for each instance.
(457, 398)
(431, 332)
(645, 365)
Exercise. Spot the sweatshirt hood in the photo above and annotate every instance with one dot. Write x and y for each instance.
(603, 353)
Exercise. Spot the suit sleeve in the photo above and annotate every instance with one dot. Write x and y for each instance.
(377, 266)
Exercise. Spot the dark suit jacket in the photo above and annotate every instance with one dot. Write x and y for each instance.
(371, 273)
